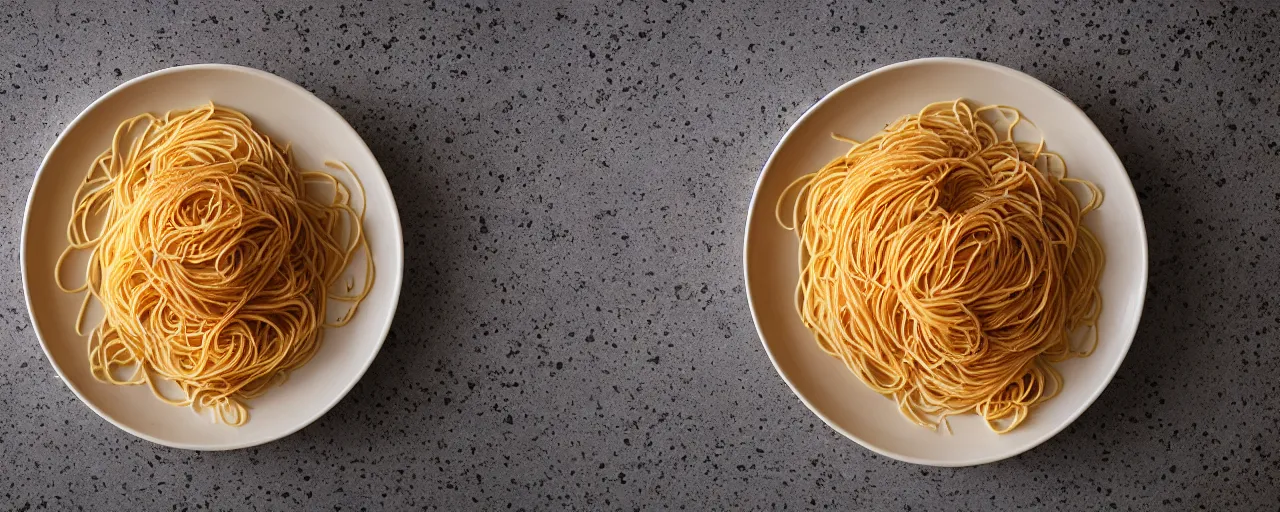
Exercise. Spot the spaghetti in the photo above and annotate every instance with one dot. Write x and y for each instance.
(947, 266)
(212, 262)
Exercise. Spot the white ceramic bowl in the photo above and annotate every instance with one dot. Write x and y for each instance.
(288, 114)
(863, 107)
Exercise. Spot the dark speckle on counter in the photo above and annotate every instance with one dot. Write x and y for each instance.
(573, 180)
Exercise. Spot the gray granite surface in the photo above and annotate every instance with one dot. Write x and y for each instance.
(573, 180)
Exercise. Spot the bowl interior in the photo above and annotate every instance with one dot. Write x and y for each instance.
(288, 114)
(862, 108)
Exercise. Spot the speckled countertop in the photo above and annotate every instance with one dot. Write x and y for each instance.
(573, 181)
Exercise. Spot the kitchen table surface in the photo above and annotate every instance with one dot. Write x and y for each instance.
(573, 181)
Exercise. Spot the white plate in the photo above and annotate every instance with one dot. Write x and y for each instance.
(288, 114)
(863, 107)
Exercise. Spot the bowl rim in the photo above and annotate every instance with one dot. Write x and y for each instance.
(397, 276)
(1110, 153)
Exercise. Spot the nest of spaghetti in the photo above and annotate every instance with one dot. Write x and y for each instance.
(214, 259)
(947, 266)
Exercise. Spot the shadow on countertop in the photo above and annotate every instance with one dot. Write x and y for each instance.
(1177, 387)
(425, 331)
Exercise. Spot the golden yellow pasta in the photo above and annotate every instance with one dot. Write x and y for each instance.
(947, 266)
(212, 261)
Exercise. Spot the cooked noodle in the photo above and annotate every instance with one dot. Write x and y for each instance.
(213, 263)
(947, 265)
